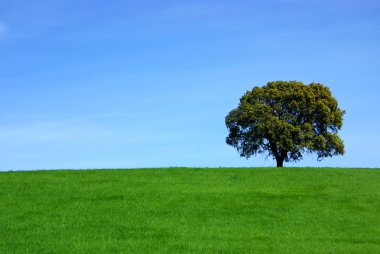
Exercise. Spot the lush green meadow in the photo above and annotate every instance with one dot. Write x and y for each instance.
(186, 210)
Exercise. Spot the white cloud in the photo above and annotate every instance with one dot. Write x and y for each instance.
(48, 132)
(81, 133)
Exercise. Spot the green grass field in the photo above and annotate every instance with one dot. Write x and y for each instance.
(186, 210)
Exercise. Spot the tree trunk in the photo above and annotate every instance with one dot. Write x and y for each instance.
(280, 162)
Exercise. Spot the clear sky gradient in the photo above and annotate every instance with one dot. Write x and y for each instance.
(101, 84)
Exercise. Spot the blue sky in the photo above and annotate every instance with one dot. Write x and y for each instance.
(101, 84)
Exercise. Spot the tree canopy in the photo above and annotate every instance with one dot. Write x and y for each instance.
(286, 119)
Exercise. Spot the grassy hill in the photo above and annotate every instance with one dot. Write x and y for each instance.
(186, 210)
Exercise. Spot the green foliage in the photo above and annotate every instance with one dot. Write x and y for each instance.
(286, 119)
(238, 210)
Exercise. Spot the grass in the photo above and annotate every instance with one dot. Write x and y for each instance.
(186, 210)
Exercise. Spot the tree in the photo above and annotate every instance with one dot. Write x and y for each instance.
(285, 119)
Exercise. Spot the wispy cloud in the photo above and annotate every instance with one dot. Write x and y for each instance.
(3, 29)
(340, 5)
(48, 132)
(82, 131)
(190, 10)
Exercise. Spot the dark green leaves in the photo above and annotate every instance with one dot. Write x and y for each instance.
(286, 119)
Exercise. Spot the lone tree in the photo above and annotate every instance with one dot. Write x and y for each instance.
(285, 120)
